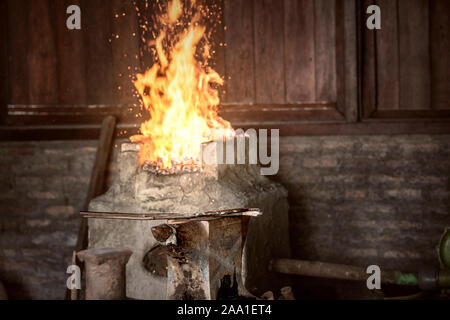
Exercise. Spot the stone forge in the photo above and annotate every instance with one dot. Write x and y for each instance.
(215, 187)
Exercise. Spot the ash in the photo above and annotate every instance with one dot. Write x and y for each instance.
(175, 168)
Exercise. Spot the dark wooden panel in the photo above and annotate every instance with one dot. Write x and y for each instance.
(414, 49)
(350, 104)
(286, 129)
(42, 61)
(125, 51)
(384, 128)
(239, 54)
(215, 32)
(412, 115)
(347, 59)
(70, 53)
(270, 113)
(299, 50)
(147, 31)
(269, 55)
(340, 55)
(388, 56)
(76, 132)
(440, 57)
(325, 49)
(67, 114)
(368, 65)
(97, 16)
(85, 114)
(4, 76)
(18, 42)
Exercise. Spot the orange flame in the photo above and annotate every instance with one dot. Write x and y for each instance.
(178, 91)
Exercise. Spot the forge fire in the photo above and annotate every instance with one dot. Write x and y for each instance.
(180, 90)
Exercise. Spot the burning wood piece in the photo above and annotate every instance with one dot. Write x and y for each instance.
(105, 273)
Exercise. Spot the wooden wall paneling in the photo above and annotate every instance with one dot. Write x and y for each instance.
(125, 51)
(346, 59)
(368, 65)
(440, 57)
(299, 50)
(269, 55)
(18, 42)
(325, 49)
(413, 19)
(239, 51)
(215, 32)
(266, 114)
(388, 56)
(4, 76)
(42, 60)
(340, 56)
(96, 26)
(350, 106)
(71, 58)
(145, 13)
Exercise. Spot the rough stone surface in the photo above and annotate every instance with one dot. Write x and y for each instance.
(215, 188)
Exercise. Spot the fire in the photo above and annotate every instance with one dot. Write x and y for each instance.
(179, 91)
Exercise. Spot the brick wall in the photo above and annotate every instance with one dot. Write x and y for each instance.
(367, 199)
(354, 199)
(43, 186)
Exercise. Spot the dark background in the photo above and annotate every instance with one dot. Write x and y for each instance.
(364, 117)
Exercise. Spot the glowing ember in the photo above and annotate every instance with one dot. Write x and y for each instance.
(179, 91)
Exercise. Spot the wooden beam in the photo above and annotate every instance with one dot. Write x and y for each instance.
(368, 127)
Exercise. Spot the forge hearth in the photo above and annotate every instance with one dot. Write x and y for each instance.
(214, 187)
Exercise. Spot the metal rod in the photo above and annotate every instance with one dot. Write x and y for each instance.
(337, 271)
(253, 212)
